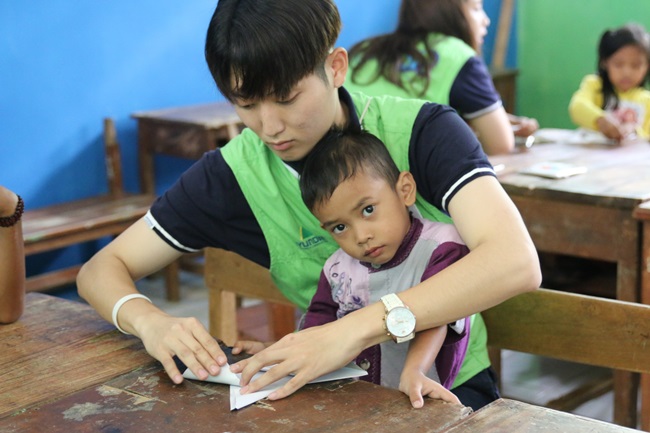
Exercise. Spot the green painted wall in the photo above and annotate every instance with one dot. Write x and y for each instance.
(557, 46)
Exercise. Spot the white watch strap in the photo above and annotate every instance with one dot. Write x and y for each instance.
(391, 301)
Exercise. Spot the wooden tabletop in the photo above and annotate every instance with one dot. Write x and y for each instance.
(212, 115)
(65, 369)
(59, 347)
(617, 176)
(513, 416)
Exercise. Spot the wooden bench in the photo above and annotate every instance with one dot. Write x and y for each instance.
(576, 328)
(62, 225)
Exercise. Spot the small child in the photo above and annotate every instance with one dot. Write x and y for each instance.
(351, 184)
(615, 101)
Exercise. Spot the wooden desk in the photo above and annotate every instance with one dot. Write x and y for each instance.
(65, 369)
(589, 216)
(59, 347)
(642, 213)
(186, 132)
(512, 416)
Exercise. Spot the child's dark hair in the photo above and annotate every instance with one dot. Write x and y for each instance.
(340, 155)
(258, 48)
(418, 19)
(612, 41)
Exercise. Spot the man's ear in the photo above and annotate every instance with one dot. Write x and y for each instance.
(337, 60)
(406, 188)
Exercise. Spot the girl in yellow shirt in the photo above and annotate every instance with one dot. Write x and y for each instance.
(616, 102)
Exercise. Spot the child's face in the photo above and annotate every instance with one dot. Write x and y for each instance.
(292, 127)
(477, 19)
(368, 218)
(627, 67)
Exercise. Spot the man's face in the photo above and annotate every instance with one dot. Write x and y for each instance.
(291, 127)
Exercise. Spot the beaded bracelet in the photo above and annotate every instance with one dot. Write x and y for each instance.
(13, 219)
(119, 304)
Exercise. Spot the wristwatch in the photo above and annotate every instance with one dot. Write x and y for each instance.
(399, 321)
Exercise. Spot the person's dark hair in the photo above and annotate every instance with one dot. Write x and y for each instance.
(613, 40)
(339, 156)
(418, 19)
(258, 48)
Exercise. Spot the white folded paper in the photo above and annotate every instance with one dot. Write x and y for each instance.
(238, 400)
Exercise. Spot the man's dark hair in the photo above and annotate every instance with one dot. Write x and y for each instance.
(258, 48)
(340, 155)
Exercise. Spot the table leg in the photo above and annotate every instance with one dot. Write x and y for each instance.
(645, 299)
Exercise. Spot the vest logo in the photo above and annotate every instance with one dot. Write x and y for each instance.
(308, 239)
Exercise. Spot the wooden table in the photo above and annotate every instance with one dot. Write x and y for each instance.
(513, 416)
(185, 132)
(65, 369)
(57, 348)
(642, 213)
(589, 216)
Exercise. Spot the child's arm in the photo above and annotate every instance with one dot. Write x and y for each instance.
(586, 110)
(420, 357)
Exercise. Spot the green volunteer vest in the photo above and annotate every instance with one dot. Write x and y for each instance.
(452, 55)
(298, 246)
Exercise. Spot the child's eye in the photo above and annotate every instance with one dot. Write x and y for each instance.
(368, 210)
(338, 229)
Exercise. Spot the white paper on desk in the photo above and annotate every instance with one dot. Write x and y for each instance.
(238, 401)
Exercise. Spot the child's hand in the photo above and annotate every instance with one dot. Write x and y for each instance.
(611, 127)
(415, 384)
(251, 347)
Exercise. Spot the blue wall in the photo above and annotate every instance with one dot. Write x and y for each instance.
(65, 65)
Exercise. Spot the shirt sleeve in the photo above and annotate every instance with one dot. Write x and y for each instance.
(473, 93)
(444, 154)
(586, 102)
(322, 308)
(207, 208)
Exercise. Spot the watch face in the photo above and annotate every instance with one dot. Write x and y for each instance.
(400, 322)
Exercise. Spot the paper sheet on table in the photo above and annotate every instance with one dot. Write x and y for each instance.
(238, 401)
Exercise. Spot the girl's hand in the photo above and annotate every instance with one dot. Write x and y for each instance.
(165, 336)
(416, 384)
(523, 126)
(611, 127)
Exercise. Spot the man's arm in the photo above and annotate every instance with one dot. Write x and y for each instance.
(502, 263)
(109, 276)
(494, 132)
(12, 261)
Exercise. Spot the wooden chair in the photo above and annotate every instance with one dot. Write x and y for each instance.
(74, 222)
(573, 327)
(228, 277)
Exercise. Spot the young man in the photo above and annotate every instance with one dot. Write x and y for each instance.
(277, 63)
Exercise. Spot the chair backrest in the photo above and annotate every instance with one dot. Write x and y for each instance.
(572, 327)
(113, 160)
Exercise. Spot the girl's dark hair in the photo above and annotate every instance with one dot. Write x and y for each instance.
(417, 20)
(257, 48)
(610, 42)
(339, 156)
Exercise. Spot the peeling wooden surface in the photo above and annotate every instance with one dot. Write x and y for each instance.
(59, 347)
(147, 401)
(512, 416)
